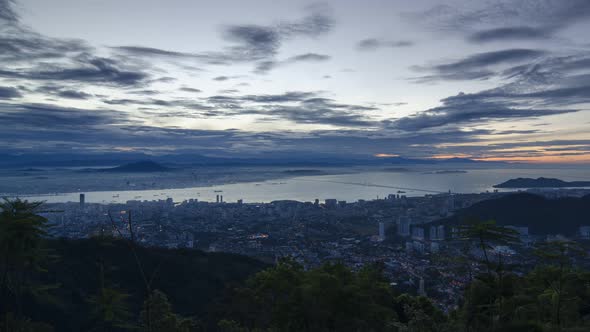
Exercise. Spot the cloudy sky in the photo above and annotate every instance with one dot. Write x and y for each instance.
(494, 80)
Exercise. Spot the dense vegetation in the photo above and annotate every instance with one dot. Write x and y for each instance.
(102, 284)
(542, 215)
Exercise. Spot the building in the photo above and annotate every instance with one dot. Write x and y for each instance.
(403, 226)
(330, 203)
(584, 232)
(82, 200)
(381, 231)
(421, 290)
(418, 233)
(437, 233)
(433, 233)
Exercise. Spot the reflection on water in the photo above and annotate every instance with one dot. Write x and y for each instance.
(349, 187)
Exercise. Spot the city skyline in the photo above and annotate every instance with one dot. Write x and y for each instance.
(487, 80)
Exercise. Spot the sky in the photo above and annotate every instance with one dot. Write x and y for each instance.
(489, 80)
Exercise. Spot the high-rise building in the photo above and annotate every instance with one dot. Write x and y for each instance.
(418, 233)
(217, 199)
(82, 200)
(440, 232)
(403, 226)
(421, 289)
(220, 198)
(433, 233)
(381, 231)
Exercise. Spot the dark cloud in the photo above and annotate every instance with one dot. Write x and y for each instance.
(88, 69)
(371, 44)
(309, 57)
(258, 42)
(221, 78)
(317, 23)
(54, 118)
(265, 66)
(9, 93)
(296, 106)
(186, 89)
(478, 66)
(469, 110)
(150, 51)
(255, 42)
(248, 42)
(72, 94)
(509, 33)
(7, 12)
(28, 55)
(547, 15)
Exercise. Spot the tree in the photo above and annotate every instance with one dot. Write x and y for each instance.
(157, 315)
(110, 310)
(486, 233)
(559, 255)
(22, 233)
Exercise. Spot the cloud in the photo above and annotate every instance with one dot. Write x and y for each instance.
(88, 69)
(371, 44)
(248, 42)
(186, 89)
(28, 55)
(546, 15)
(221, 78)
(7, 12)
(478, 66)
(509, 33)
(470, 110)
(150, 51)
(72, 94)
(51, 118)
(9, 93)
(266, 66)
(255, 41)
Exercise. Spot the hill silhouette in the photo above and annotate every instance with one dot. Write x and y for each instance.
(541, 183)
(542, 215)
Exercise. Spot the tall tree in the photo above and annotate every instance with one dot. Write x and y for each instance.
(22, 233)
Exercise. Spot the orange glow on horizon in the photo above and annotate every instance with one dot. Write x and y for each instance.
(385, 155)
(538, 159)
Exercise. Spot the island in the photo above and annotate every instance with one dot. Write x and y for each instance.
(541, 183)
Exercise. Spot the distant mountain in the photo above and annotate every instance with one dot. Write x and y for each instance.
(8, 160)
(542, 215)
(541, 183)
(138, 167)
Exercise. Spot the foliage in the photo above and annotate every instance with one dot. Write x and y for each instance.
(157, 315)
(329, 298)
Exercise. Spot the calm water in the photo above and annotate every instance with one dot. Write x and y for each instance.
(349, 187)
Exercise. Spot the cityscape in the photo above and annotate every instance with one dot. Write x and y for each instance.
(407, 234)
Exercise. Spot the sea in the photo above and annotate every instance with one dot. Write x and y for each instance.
(367, 185)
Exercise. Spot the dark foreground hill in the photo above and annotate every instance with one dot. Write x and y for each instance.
(138, 167)
(542, 215)
(541, 183)
(191, 279)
